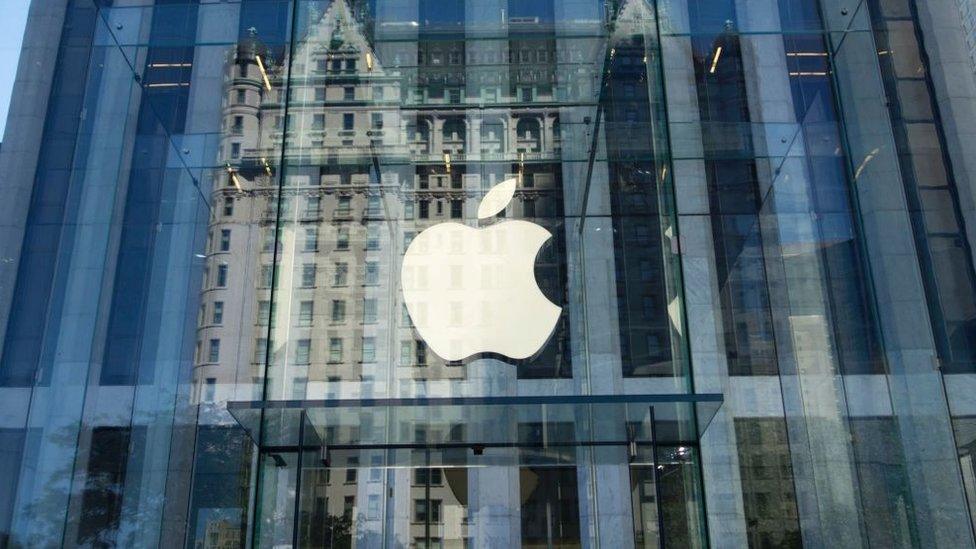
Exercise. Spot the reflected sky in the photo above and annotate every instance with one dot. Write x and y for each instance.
(11, 34)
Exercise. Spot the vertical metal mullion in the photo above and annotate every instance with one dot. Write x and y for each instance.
(268, 352)
(657, 482)
(296, 519)
(427, 503)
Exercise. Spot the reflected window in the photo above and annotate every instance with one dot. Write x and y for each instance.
(213, 354)
(303, 352)
(341, 275)
(305, 313)
(369, 349)
(338, 310)
(264, 313)
(225, 240)
(373, 205)
(308, 275)
(343, 206)
(311, 239)
(406, 353)
(260, 350)
(420, 509)
(421, 476)
(269, 240)
(373, 237)
(372, 274)
(421, 353)
(298, 387)
(335, 350)
(369, 310)
(218, 312)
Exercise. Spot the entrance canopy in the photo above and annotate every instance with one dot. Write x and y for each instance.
(478, 426)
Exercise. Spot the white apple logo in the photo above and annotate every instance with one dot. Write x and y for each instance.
(471, 290)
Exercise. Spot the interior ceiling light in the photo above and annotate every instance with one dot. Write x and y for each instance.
(718, 53)
(264, 73)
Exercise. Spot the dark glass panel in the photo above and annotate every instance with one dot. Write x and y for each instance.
(766, 474)
(35, 303)
(550, 510)
(221, 477)
(105, 483)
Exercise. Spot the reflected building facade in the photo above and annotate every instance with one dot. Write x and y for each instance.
(765, 277)
(969, 23)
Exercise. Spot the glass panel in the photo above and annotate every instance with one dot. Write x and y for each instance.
(479, 423)
(391, 141)
(931, 190)
(226, 198)
(767, 482)
(550, 512)
(679, 495)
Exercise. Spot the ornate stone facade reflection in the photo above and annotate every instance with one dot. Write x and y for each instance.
(437, 147)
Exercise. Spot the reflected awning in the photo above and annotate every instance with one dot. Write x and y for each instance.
(477, 422)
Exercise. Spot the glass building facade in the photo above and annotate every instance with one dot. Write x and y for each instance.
(489, 273)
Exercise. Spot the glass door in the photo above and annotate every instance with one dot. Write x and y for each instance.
(359, 498)
(425, 498)
(529, 472)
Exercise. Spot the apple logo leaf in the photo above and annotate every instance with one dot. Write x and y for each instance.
(496, 199)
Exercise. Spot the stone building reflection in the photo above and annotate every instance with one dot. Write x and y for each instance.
(374, 155)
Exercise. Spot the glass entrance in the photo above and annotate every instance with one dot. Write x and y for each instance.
(349, 505)
(360, 498)
(539, 472)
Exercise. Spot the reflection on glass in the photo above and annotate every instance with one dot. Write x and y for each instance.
(295, 200)
(550, 512)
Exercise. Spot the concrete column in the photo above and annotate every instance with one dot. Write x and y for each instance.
(22, 137)
(954, 82)
(719, 454)
(915, 386)
(88, 252)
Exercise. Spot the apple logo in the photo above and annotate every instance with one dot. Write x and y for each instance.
(473, 290)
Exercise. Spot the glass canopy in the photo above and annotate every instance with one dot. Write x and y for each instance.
(483, 427)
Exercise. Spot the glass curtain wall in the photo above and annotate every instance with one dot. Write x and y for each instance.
(799, 237)
(397, 118)
(920, 330)
(109, 316)
(351, 273)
